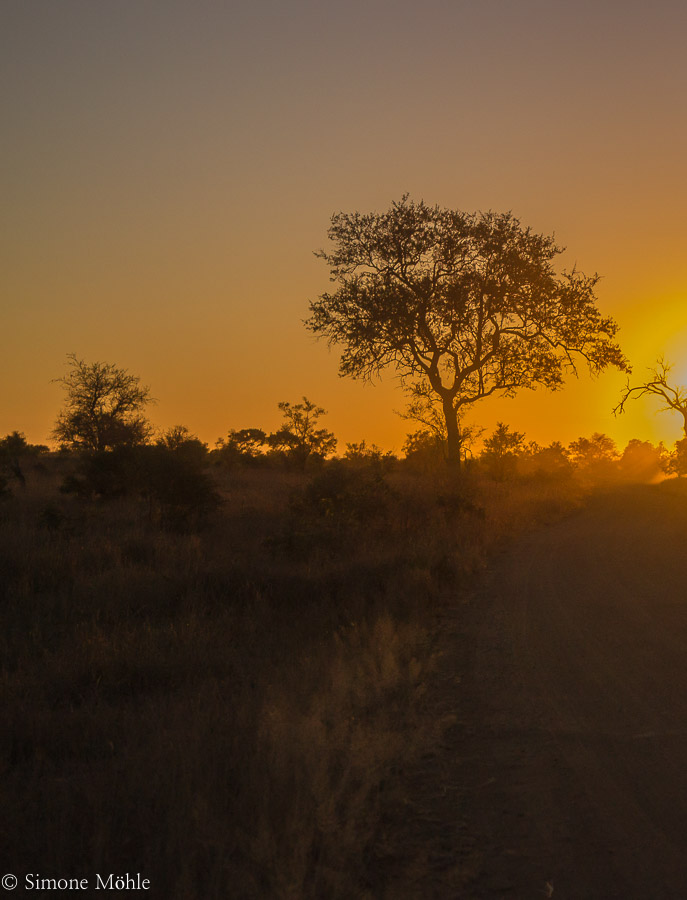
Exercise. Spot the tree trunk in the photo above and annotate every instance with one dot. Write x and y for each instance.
(452, 433)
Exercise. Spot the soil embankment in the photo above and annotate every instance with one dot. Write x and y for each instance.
(564, 771)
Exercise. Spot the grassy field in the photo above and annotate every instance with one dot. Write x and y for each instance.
(225, 708)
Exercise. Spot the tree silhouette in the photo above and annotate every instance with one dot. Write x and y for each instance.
(242, 445)
(103, 407)
(299, 436)
(677, 462)
(501, 450)
(674, 396)
(181, 441)
(467, 304)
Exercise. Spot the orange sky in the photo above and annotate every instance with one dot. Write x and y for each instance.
(168, 168)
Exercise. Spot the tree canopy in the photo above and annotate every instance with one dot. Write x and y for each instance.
(467, 304)
(103, 407)
(299, 437)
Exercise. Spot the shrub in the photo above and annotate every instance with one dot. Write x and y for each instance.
(347, 495)
(501, 450)
(244, 446)
(173, 482)
(425, 450)
(677, 462)
(180, 440)
(179, 491)
(299, 438)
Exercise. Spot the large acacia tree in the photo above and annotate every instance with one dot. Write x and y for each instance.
(467, 304)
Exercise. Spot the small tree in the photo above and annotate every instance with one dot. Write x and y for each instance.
(466, 305)
(641, 461)
(552, 461)
(501, 450)
(299, 436)
(15, 445)
(244, 445)
(181, 441)
(676, 464)
(103, 409)
(424, 449)
(674, 396)
(13, 449)
(595, 457)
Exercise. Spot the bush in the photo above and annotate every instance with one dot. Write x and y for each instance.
(105, 474)
(178, 490)
(180, 440)
(425, 450)
(677, 463)
(347, 495)
(244, 446)
(176, 486)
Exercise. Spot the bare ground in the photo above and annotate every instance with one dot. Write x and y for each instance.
(563, 683)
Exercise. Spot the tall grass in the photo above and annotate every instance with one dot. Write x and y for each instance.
(221, 710)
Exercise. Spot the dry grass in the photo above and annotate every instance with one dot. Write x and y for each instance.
(221, 710)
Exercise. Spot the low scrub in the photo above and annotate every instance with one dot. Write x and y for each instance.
(223, 710)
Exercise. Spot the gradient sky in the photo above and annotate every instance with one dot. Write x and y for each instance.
(168, 168)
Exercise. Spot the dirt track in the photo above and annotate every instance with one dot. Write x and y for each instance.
(565, 771)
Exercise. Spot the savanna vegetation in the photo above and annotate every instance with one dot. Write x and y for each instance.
(214, 662)
(214, 659)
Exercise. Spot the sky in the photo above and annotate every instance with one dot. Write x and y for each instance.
(167, 170)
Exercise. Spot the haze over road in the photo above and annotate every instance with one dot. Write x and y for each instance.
(565, 774)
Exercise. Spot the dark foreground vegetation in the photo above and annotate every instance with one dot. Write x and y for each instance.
(215, 663)
(223, 698)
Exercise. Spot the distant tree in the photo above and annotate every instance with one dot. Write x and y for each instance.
(676, 464)
(103, 408)
(244, 445)
(504, 442)
(595, 457)
(553, 460)
(501, 450)
(15, 445)
(175, 437)
(364, 454)
(674, 396)
(467, 304)
(299, 437)
(641, 461)
(13, 449)
(424, 449)
(598, 447)
(180, 440)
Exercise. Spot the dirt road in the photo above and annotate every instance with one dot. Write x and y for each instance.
(564, 773)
